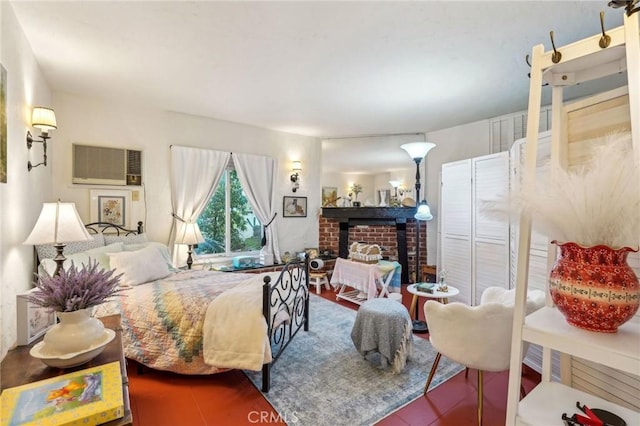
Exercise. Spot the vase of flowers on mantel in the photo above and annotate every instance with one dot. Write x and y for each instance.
(72, 295)
(592, 212)
(355, 189)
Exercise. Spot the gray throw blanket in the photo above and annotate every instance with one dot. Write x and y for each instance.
(384, 326)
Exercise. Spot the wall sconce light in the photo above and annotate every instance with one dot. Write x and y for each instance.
(295, 176)
(45, 120)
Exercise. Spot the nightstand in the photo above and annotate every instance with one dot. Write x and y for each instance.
(19, 368)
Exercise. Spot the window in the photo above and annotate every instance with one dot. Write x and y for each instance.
(228, 223)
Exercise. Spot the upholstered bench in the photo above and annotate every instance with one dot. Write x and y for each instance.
(383, 326)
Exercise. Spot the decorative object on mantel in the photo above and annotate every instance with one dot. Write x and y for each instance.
(593, 209)
(72, 294)
(355, 189)
(383, 197)
(330, 196)
(395, 201)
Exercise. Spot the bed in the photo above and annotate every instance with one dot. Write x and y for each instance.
(174, 319)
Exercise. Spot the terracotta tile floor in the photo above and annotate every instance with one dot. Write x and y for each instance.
(160, 398)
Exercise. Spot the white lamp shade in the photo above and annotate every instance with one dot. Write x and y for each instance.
(58, 223)
(424, 212)
(394, 183)
(43, 118)
(297, 166)
(417, 149)
(189, 233)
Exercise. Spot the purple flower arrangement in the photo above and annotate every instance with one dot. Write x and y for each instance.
(75, 289)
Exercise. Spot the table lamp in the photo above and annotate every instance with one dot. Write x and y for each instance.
(58, 224)
(190, 235)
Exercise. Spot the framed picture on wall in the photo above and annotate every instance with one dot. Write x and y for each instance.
(111, 206)
(294, 207)
(33, 320)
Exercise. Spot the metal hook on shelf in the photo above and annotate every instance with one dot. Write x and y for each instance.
(526, 59)
(605, 40)
(628, 5)
(557, 56)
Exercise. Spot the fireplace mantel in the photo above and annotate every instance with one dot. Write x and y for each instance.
(369, 213)
(390, 216)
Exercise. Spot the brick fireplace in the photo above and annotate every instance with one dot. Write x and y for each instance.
(393, 229)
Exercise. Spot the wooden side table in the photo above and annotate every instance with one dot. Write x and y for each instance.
(19, 368)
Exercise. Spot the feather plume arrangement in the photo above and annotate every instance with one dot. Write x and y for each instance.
(594, 203)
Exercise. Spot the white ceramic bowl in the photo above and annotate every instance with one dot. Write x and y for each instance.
(73, 359)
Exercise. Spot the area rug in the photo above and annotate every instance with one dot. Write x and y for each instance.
(321, 379)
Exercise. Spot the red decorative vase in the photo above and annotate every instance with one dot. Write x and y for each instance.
(594, 287)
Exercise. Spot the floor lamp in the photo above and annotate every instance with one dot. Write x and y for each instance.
(417, 151)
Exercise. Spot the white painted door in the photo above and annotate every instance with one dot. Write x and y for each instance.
(490, 232)
(455, 217)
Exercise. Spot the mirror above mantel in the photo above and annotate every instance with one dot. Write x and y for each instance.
(372, 162)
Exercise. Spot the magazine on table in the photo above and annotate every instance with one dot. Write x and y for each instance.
(89, 396)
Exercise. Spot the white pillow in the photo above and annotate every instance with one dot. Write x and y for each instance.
(162, 248)
(99, 254)
(139, 266)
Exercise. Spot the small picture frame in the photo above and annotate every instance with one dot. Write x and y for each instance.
(329, 196)
(111, 206)
(294, 206)
(33, 320)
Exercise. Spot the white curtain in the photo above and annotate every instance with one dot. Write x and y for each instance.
(257, 175)
(195, 174)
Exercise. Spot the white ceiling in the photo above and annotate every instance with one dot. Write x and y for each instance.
(324, 69)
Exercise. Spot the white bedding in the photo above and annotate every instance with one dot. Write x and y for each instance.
(235, 331)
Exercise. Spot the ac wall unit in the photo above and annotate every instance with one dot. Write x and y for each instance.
(97, 165)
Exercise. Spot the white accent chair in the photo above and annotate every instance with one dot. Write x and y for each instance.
(477, 337)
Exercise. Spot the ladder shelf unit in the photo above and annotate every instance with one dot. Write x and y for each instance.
(581, 61)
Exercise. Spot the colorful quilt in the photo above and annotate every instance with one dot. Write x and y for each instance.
(162, 320)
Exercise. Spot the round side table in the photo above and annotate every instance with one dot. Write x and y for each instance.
(442, 296)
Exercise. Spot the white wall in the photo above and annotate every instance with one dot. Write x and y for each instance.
(119, 124)
(453, 144)
(22, 196)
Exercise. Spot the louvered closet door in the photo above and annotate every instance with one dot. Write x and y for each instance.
(490, 233)
(586, 120)
(455, 217)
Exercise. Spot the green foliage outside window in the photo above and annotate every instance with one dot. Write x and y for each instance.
(243, 223)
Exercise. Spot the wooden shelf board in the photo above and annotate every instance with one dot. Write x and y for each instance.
(547, 327)
(545, 404)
